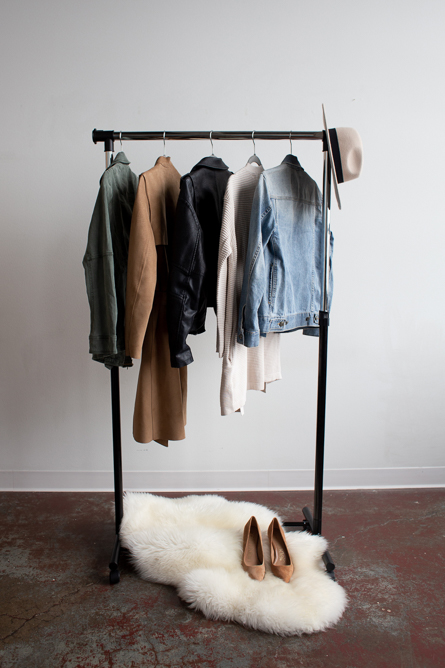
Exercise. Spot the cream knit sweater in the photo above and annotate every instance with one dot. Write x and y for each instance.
(242, 368)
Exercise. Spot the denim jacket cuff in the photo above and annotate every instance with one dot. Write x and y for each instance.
(311, 331)
(249, 339)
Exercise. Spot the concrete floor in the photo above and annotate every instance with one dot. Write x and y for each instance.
(58, 609)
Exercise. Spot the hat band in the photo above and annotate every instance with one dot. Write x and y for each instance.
(336, 154)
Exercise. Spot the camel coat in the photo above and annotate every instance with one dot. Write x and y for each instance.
(161, 398)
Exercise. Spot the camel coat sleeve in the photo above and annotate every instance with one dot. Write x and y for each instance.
(161, 396)
(141, 274)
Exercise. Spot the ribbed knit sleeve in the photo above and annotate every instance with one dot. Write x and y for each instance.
(224, 286)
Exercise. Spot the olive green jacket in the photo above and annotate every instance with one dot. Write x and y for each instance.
(105, 262)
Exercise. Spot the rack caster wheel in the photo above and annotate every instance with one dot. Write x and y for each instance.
(115, 577)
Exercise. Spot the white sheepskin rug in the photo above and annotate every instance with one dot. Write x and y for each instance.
(195, 544)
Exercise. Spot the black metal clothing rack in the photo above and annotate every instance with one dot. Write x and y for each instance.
(311, 522)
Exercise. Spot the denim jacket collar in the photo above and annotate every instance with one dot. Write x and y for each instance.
(211, 161)
(292, 160)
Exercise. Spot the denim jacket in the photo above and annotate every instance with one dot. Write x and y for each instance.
(283, 274)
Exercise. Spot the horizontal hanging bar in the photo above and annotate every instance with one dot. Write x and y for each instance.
(111, 135)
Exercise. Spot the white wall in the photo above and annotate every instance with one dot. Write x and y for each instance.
(68, 67)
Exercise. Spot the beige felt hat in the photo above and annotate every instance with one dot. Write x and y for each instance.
(345, 153)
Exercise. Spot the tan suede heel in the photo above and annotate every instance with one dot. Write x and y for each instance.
(280, 559)
(253, 556)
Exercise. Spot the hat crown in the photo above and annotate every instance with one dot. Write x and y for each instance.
(351, 152)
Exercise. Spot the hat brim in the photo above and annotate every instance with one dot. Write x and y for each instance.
(331, 158)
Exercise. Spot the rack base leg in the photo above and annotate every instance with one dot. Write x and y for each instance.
(330, 566)
(117, 464)
(115, 574)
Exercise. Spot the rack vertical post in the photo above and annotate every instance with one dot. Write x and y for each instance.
(117, 435)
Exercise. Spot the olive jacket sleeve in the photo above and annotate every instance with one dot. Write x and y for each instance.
(105, 262)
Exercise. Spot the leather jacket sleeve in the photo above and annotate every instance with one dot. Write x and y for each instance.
(186, 277)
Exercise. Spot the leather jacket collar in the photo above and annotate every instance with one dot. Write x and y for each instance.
(211, 161)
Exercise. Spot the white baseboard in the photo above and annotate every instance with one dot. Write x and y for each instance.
(218, 481)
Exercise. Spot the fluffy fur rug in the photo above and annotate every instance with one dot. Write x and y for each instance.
(195, 544)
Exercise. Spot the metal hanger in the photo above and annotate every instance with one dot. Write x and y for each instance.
(254, 157)
(164, 143)
(211, 141)
(290, 139)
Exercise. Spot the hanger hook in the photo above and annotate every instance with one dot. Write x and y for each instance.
(211, 141)
(290, 139)
(120, 139)
(164, 142)
(253, 139)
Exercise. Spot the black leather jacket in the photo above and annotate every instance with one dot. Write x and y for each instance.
(193, 254)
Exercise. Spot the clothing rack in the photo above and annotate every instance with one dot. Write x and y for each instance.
(311, 522)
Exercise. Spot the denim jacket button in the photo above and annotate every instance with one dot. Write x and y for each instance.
(281, 323)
